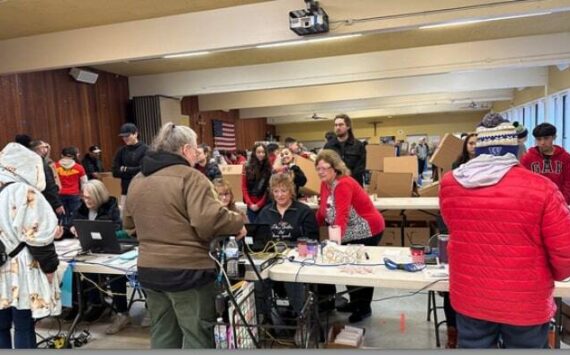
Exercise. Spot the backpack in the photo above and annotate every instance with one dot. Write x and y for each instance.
(3, 256)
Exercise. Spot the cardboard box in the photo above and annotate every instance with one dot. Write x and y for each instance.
(407, 164)
(414, 216)
(391, 237)
(415, 235)
(331, 336)
(430, 190)
(375, 154)
(313, 185)
(233, 175)
(112, 184)
(386, 184)
(447, 152)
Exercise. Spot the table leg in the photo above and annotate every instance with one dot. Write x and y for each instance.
(558, 319)
(79, 292)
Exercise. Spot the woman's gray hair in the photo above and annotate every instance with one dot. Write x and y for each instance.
(97, 191)
(171, 138)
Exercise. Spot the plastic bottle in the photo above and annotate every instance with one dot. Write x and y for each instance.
(232, 255)
(221, 334)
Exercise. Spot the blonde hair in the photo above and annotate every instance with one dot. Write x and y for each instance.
(97, 191)
(282, 180)
(332, 157)
(171, 138)
(224, 184)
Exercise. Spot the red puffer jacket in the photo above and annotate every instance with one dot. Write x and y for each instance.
(508, 243)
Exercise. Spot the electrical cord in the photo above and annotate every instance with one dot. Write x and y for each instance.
(234, 301)
(412, 293)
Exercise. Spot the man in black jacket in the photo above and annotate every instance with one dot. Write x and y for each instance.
(92, 162)
(127, 162)
(51, 192)
(351, 150)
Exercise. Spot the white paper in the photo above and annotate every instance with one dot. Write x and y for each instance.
(96, 236)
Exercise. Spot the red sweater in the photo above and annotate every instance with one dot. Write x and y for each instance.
(508, 243)
(249, 200)
(70, 179)
(348, 193)
(556, 167)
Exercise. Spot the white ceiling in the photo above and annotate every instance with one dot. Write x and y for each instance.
(393, 68)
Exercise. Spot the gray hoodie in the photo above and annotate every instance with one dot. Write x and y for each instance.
(484, 170)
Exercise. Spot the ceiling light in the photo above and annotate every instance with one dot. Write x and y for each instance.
(189, 54)
(315, 40)
(469, 22)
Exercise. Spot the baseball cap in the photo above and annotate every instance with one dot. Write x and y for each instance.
(95, 149)
(128, 128)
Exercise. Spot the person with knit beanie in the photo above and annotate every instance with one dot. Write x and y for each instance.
(509, 241)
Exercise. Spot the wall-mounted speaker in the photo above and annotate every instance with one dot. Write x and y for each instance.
(83, 76)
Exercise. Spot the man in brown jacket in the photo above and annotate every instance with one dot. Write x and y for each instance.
(176, 214)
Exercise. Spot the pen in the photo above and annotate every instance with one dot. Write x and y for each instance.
(367, 257)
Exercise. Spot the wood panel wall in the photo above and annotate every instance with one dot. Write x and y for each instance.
(52, 106)
(247, 131)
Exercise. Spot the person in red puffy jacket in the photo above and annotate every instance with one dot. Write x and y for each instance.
(509, 241)
(548, 159)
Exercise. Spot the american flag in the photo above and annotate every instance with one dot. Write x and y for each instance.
(224, 135)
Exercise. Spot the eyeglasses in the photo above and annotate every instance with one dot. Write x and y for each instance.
(322, 168)
(224, 194)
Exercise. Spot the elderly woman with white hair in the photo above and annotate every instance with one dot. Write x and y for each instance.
(97, 205)
(29, 288)
(177, 214)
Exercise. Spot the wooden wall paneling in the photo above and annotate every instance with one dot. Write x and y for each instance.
(51, 106)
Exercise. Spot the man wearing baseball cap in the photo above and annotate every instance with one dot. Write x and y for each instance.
(92, 162)
(548, 159)
(127, 162)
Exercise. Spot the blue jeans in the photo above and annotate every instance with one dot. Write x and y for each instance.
(71, 203)
(24, 329)
(480, 334)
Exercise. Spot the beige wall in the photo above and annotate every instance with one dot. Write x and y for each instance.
(430, 124)
(557, 81)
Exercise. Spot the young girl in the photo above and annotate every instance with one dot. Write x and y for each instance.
(255, 181)
(286, 164)
(226, 196)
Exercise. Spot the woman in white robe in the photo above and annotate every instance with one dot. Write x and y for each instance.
(28, 283)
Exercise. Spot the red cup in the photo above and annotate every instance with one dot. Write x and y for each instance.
(418, 254)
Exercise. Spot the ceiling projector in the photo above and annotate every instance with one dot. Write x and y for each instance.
(309, 21)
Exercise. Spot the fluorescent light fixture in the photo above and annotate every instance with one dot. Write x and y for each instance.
(315, 40)
(469, 22)
(181, 55)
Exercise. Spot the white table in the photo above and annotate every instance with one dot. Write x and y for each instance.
(380, 276)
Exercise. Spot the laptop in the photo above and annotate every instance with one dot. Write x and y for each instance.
(99, 237)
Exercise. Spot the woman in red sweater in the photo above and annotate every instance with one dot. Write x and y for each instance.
(255, 181)
(345, 203)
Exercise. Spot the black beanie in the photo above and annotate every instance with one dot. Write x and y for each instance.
(544, 130)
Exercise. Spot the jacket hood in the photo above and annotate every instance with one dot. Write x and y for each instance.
(484, 170)
(155, 161)
(66, 163)
(535, 152)
(19, 164)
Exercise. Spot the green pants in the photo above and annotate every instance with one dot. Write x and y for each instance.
(182, 320)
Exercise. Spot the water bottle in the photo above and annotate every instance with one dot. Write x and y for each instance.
(232, 255)
(221, 335)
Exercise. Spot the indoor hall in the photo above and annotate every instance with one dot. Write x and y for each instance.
(237, 74)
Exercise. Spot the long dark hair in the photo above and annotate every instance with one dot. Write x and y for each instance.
(464, 157)
(255, 168)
